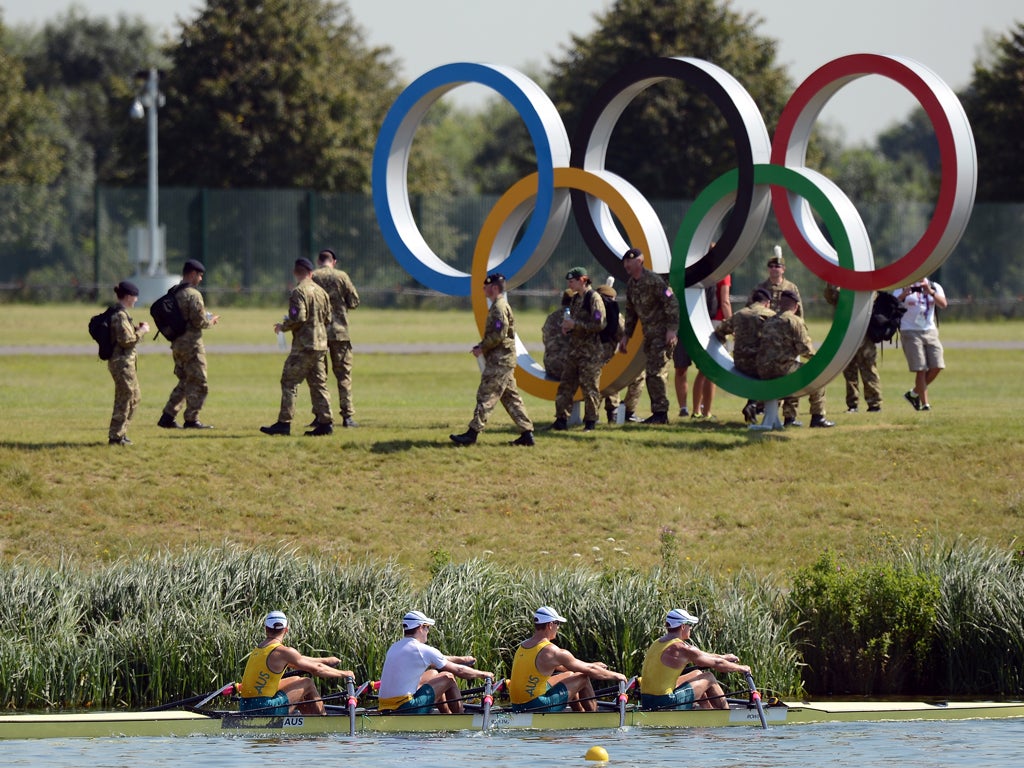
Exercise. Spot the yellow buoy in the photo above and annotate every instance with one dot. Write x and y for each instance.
(597, 754)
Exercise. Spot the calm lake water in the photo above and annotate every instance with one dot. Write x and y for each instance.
(969, 743)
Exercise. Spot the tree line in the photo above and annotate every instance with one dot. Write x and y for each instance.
(289, 94)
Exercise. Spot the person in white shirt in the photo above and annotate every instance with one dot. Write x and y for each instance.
(920, 336)
(417, 677)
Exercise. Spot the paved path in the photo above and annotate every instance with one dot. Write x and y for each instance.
(383, 349)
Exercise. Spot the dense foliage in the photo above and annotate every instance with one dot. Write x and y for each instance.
(156, 628)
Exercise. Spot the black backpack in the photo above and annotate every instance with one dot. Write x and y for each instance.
(886, 314)
(611, 333)
(167, 315)
(99, 329)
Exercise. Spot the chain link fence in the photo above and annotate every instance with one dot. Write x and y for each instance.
(63, 244)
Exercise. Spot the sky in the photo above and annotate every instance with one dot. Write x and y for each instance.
(945, 35)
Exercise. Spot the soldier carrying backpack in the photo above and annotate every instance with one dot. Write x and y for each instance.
(122, 337)
(181, 316)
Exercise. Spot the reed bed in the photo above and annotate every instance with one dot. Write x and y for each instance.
(148, 630)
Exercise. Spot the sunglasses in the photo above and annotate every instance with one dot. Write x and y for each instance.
(774, 266)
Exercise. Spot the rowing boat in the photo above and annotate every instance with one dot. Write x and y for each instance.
(186, 723)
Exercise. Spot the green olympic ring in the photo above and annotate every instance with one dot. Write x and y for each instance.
(853, 312)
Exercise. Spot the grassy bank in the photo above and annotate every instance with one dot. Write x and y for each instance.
(154, 629)
(395, 488)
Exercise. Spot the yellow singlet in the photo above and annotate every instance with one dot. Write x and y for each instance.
(657, 679)
(526, 682)
(258, 679)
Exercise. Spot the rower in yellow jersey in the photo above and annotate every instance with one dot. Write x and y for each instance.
(545, 677)
(662, 686)
(264, 692)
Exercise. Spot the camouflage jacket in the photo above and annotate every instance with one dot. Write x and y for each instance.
(190, 302)
(776, 290)
(124, 335)
(309, 313)
(343, 296)
(499, 342)
(556, 343)
(745, 326)
(784, 338)
(651, 301)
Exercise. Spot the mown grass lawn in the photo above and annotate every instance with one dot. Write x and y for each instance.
(396, 488)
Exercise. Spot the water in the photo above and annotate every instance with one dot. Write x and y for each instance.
(978, 744)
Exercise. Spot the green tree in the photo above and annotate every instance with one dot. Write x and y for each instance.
(87, 67)
(671, 141)
(995, 106)
(274, 93)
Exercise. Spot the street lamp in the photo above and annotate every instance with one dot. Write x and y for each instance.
(146, 104)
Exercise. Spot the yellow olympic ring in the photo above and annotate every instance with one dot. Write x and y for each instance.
(505, 219)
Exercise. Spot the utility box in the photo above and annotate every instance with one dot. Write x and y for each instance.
(138, 251)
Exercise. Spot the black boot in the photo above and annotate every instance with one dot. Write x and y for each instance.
(348, 421)
(277, 428)
(658, 417)
(560, 424)
(632, 417)
(589, 426)
(821, 422)
(466, 438)
(320, 430)
(524, 439)
(197, 424)
(167, 422)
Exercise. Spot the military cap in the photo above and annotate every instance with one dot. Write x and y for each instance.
(633, 253)
(791, 296)
(305, 263)
(193, 265)
(126, 288)
(497, 277)
(576, 272)
(760, 294)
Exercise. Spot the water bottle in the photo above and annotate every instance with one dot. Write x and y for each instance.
(282, 341)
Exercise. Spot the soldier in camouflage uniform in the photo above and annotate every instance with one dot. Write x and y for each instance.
(497, 381)
(775, 285)
(189, 353)
(745, 327)
(864, 365)
(650, 301)
(784, 338)
(636, 387)
(309, 314)
(585, 359)
(556, 343)
(122, 363)
(343, 296)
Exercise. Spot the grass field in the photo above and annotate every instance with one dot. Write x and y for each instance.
(396, 488)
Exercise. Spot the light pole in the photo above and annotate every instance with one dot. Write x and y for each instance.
(147, 104)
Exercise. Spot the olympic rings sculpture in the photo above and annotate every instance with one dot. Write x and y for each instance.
(769, 175)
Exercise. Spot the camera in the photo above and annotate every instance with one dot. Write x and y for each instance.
(917, 289)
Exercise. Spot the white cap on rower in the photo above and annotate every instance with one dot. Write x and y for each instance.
(546, 614)
(414, 619)
(677, 617)
(275, 620)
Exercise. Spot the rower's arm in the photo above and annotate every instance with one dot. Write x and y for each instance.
(460, 669)
(679, 655)
(559, 657)
(315, 666)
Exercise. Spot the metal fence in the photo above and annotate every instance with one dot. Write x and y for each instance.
(62, 244)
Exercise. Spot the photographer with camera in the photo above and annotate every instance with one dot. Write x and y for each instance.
(920, 335)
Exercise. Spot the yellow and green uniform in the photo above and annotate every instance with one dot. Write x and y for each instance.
(658, 681)
(528, 688)
(260, 684)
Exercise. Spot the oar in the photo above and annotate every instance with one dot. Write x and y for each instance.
(622, 698)
(202, 699)
(487, 700)
(757, 701)
(350, 687)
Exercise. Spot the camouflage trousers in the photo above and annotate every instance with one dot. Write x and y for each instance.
(126, 395)
(865, 365)
(658, 356)
(340, 353)
(192, 388)
(632, 398)
(310, 366)
(583, 371)
(498, 384)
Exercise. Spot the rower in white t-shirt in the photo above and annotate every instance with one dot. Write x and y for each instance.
(417, 676)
